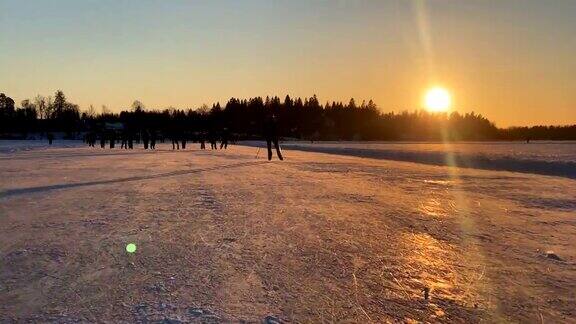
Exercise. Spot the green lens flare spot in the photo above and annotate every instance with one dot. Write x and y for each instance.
(131, 248)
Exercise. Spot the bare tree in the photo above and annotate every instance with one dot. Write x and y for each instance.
(91, 112)
(203, 110)
(105, 110)
(138, 106)
(27, 104)
(49, 113)
(41, 106)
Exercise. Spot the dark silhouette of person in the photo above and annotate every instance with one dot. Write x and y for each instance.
(212, 138)
(130, 140)
(152, 140)
(102, 140)
(124, 139)
(112, 139)
(202, 140)
(271, 136)
(145, 139)
(175, 142)
(224, 138)
(90, 139)
(50, 138)
(183, 139)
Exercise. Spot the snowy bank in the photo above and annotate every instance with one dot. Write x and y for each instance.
(554, 159)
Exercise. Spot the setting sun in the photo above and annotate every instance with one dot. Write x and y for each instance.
(437, 100)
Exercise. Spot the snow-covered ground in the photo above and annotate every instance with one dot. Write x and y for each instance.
(13, 146)
(225, 236)
(538, 157)
(560, 151)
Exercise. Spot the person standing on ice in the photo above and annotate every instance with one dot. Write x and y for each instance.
(212, 138)
(130, 140)
(271, 136)
(224, 138)
(183, 139)
(202, 141)
(50, 138)
(112, 139)
(90, 139)
(152, 139)
(123, 138)
(145, 138)
(174, 139)
(102, 140)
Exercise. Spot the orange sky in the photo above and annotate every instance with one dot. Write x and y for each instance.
(510, 60)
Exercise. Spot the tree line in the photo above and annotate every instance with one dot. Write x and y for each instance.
(297, 118)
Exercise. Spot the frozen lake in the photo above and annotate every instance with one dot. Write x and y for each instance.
(547, 158)
(224, 236)
(13, 146)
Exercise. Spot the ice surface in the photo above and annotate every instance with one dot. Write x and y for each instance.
(547, 158)
(318, 237)
(11, 146)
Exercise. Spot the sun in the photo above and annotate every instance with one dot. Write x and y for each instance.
(437, 99)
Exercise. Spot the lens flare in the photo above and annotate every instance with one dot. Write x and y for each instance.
(131, 248)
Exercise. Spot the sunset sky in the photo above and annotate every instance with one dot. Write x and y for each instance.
(513, 61)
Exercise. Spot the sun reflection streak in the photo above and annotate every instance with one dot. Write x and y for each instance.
(421, 13)
(429, 255)
(464, 209)
(432, 207)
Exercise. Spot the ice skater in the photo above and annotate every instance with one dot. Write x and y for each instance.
(212, 138)
(224, 139)
(145, 139)
(175, 142)
(91, 139)
(183, 141)
(201, 137)
(152, 140)
(271, 135)
(112, 139)
(123, 138)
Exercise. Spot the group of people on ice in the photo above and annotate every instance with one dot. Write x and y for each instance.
(149, 139)
(179, 139)
(126, 139)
